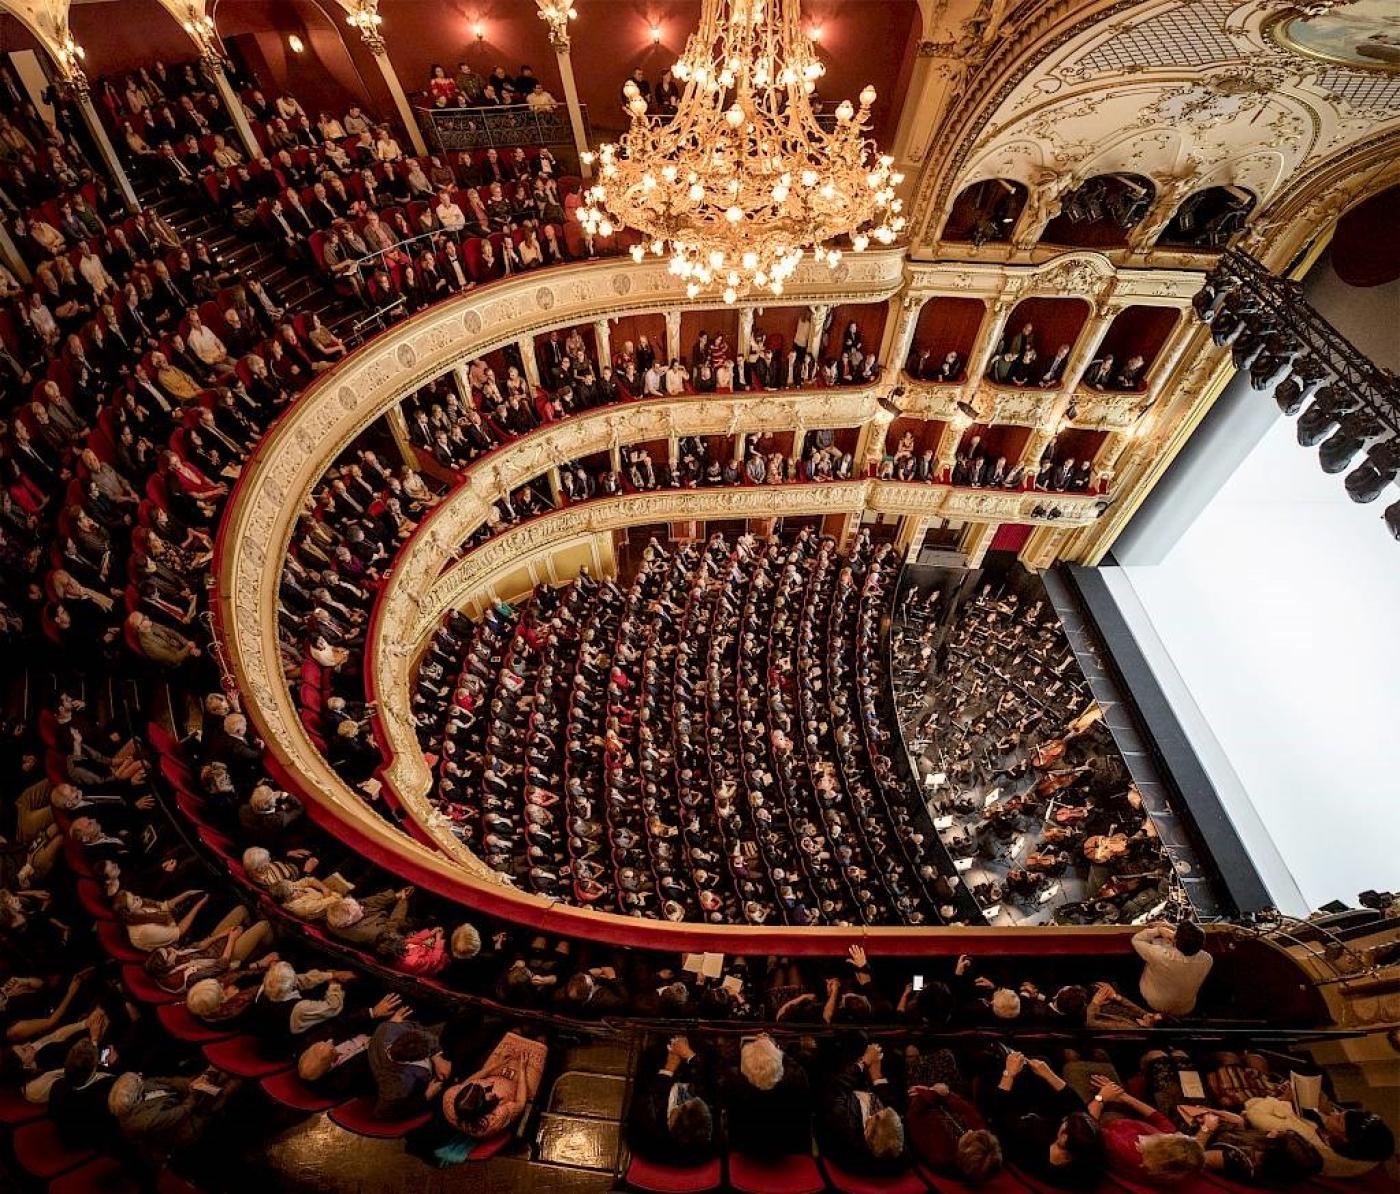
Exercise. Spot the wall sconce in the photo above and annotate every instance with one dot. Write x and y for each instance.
(479, 31)
(817, 34)
(295, 44)
(656, 35)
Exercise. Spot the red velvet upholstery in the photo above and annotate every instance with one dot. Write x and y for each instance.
(142, 987)
(40, 1153)
(847, 1182)
(244, 1056)
(1001, 1182)
(177, 1021)
(673, 1179)
(105, 1175)
(789, 1175)
(15, 1109)
(289, 1090)
(115, 943)
(358, 1116)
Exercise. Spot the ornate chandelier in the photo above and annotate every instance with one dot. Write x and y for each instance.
(744, 180)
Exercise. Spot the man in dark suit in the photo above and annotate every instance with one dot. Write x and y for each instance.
(671, 1119)
(768, 1102)
(861, 1128)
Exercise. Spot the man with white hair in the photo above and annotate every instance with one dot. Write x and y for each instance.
(165, 1114)
(283, 1007)
(768, 1101)
(861, 1129)
(369, 922)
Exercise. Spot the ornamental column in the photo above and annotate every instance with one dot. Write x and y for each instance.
(364, 16)
(576, 111)
(214, 71)
(745, 331)
(976, 539)
(989, 337)
(9, 253)
(200, 27)
(602, 342)
(528, 361)
(71, 80)
(817, 314)
(895, 351)
(673, 336)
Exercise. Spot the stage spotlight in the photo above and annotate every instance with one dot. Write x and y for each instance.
(1210, 296)
(1352, 434)
(1247, 348)
(1226, 324)
(1294, 391)
(1273, 364)
(1368, 480)
(1392, 519)
(1316, 423)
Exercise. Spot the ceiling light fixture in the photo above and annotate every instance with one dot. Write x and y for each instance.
(744, 181)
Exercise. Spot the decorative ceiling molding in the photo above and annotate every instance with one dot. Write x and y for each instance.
(1148, 88)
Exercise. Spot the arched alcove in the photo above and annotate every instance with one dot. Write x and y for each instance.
(1101, 212)
(1208, 218)
(945, 325)
(985, 212)
(1137, 331)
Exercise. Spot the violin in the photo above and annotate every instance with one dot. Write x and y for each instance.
(1056, 780)
(1047, 754)
(1106, 847)
(1070, 814)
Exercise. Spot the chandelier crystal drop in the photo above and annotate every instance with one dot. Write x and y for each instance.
(743, 181)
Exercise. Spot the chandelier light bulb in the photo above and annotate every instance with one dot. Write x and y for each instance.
(867, 96)
(734, 214)
(716, 259)
(696, 192)
(730, 294)
(844, 111)
(692, 290)
(637, 253)
(735, 116)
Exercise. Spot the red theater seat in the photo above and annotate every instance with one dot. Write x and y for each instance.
(289, 1090)
(358, 1116)
(787, 1175)
(40, 1153)
(673, 1179)
(847, 1182)
(244, 1057)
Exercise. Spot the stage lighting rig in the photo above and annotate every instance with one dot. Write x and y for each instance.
(1346, 405)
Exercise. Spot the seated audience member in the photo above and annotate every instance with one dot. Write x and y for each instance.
(1139, 1143)
(1351, 1142)
(162, 1115)
(1175, 965)
(489, 1101)
(949, 1135)
(407, 1067)
(672, 1121)
(860, 1126)
(1043, 1126)
(767, 1101)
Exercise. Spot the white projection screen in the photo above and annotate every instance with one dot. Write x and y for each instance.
(1268, 606)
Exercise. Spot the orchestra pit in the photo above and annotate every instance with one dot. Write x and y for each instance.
(781, 596)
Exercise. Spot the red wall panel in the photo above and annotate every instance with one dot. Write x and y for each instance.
(946, 325)
(1057, 321)
(121, 36)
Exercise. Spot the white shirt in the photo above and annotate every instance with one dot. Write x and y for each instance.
(451, 217)
(92, 269)
(207, 346)
(1170, 979)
